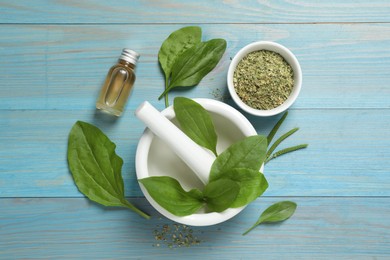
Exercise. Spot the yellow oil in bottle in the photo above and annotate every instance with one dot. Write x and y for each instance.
(118, 84)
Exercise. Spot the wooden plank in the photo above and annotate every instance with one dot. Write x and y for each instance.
(321, 228)
(63, 66)
(348, 152)
(203, 11)
(55, 56)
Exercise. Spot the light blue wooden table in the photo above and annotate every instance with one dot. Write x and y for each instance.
(55, 55)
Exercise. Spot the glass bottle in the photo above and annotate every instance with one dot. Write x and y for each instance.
(118, 84)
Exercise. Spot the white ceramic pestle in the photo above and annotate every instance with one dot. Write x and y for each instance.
(197, 158)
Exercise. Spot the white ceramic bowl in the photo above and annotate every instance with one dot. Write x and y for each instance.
(154, 158)
(287, 55)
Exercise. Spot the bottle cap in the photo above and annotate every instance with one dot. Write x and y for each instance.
(129, 56)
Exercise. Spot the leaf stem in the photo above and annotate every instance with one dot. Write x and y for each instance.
(276, 128)
(166, 100)
(135, 209)
(286, 150)
(249, 230)
(279, 140)
(164, 93)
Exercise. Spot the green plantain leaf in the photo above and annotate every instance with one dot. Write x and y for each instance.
(195, 63)
(170, 195)
(252, 184)
(95, 167)
(196, 123)
(248, 153)
(277, 212)
(177, 42)
(220, 194)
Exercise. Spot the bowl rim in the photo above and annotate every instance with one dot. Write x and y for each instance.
(142, 153)
(287, 55)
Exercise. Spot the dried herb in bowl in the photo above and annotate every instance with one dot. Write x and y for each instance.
(263, 79)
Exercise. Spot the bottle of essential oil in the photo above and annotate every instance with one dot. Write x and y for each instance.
(118, 84)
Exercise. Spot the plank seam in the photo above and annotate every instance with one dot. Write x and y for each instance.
(216, 23)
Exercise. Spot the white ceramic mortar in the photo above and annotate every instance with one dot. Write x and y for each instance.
(157, 157)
